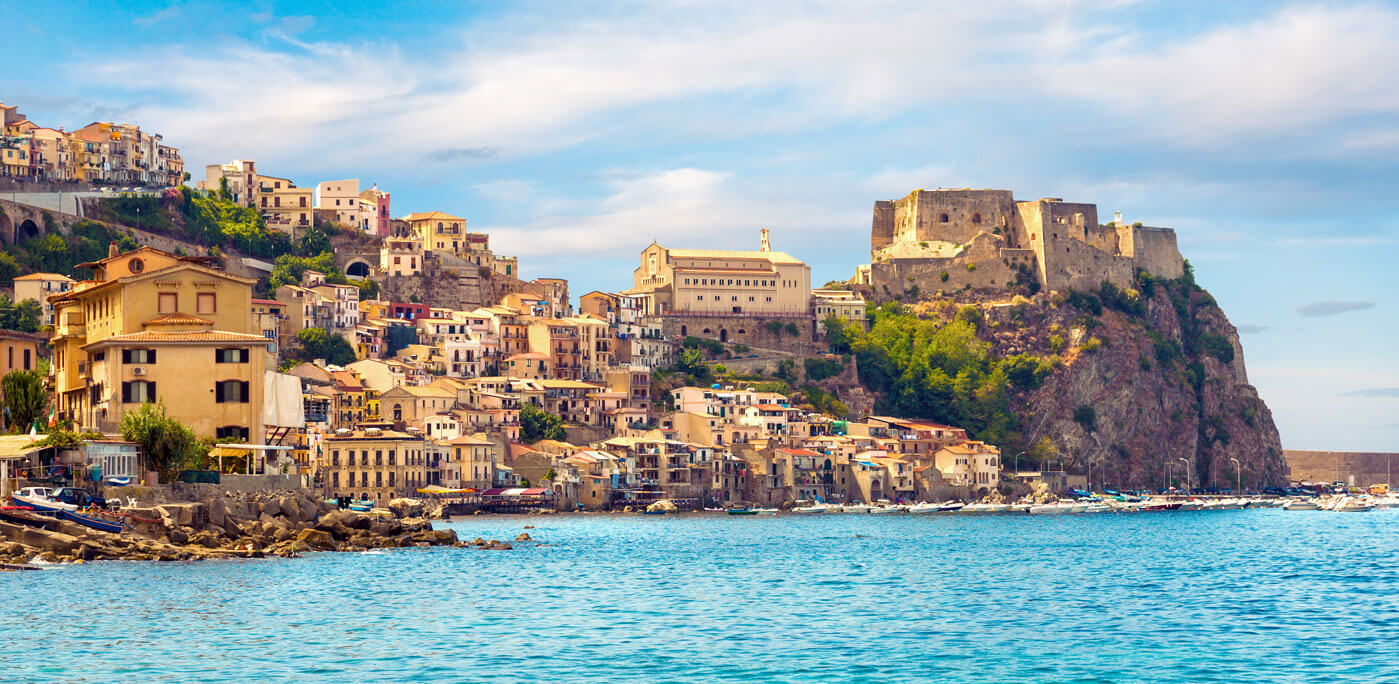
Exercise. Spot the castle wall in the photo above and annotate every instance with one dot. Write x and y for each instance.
(995, 268)
(882, 231)
(919, 216)
(1154, 250)
(1075, 265)
(750, 330)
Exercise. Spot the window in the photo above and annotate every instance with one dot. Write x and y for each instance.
(136, 356)
(231, 432)
(976, 218)
(335, 457)
(26, 359)
(943, 218)
(137, 392)
(231, 355)
(205, 303)
(390, 456)
(169, 302)
(231, 392)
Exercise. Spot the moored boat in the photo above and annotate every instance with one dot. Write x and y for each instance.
(741, 511)
(1301, 505)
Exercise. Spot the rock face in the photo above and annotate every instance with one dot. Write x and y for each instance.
(1162, 387)
(1150, 390)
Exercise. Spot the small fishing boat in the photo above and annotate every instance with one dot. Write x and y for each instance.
(807, 510)
(92, 519)
(39, 499)
(858, 508)
(1301, 505)
(765, 511)
(117, 480)
(741, 511)
(887, 508)
(24, 515)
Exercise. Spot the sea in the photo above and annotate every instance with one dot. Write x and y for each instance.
(1204, 596)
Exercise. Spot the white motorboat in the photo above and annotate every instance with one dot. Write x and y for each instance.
(858, 508)
(1231, 504)
(40, 499)
(1301, 505)
(924, 508)
(808, 510)
(765, 511)
(1351, 505)
(1052, 509)
(1098, 507)
(985, 508)
(1193, 505)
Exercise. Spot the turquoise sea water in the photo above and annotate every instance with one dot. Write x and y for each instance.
(1251, 595)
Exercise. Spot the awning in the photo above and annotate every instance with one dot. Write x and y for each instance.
(533, 492)
(439, 489)
(493, 492)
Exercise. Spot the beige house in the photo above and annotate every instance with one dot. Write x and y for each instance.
(438, 231)
(970, 464)
(703, 281)
(373, 464)
(41, 286)
(241, 175)
(285, 206)
(408, 404)
(153, 326)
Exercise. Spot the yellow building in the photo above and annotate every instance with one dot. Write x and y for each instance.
(706, 281)
(438, 231)
(39, 287)
(285, 206)
(373, 464)
(153, 326)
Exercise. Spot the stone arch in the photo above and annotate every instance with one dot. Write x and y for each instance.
(28, 229)
(723, 334)
(976, 217)
(944, 218)
(7, 227)
(707, 331)
(684, 331)
(741, 331)
(358, 268)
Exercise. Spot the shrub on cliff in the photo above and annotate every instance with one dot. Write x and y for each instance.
(820, 369)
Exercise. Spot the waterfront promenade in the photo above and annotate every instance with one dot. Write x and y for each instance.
(1246, 595)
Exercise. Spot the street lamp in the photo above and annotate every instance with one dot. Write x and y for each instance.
(1187, 473)
(1166, 477)
(1238, 473)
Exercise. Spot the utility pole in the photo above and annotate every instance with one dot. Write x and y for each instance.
(1238, 474)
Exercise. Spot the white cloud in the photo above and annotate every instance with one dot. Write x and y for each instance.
(676, 207)
(1292, 70)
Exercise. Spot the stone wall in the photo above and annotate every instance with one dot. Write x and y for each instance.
(750, 330)
(1351, 467)
(992, 267)
(1155, 251)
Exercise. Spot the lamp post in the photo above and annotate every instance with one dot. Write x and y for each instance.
(1238, 473)
(1187, 474)
(1166, 477)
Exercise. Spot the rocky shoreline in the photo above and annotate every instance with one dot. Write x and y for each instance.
(231, 526)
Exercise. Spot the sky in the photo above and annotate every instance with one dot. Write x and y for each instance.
(576, 133)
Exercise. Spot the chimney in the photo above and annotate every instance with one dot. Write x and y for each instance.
(1117, 218)
(764, 246)
(112, 249)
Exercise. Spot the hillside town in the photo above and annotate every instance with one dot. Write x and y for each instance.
(520, 398)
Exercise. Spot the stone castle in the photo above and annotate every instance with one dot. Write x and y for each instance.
(950, 240)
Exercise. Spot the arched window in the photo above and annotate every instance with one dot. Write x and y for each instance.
(943, 218)
(976, 218)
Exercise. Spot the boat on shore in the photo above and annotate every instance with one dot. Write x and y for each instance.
(741, 511)
(40, 499)
(25, 515)
(1302, 505)
(94, 520)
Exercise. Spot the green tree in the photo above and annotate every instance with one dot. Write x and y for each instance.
(9, 268)
(840, 333)
(25, 397)
(317, 343)
(287, 269)
(167, 446)
(537, 424)
(691, 362)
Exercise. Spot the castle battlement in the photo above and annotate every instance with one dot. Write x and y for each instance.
(951, 239)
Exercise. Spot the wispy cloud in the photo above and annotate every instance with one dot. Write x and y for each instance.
(168, 13)
(1374, 393)
(1331, 308)
(456, 154)
(1249, 328)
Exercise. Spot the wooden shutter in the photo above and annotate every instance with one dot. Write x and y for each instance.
(218, 393)
(126, 356)
(150, 390)
(125, 390)
(150, 356)
(243, 355)
(243, 386)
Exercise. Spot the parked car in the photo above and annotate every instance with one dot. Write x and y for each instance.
(78, 497)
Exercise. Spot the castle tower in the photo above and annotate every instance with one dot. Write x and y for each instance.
(764, 246)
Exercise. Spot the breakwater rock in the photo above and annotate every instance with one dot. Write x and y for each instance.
(230, 526)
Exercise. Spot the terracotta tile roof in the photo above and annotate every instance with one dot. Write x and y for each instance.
(189, 337)
(423, 216)
(45, 276)
(178, 318)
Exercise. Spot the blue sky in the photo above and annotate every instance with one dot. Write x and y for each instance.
(1264, 133)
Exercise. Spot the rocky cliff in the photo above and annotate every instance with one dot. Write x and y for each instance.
(1147, 384)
